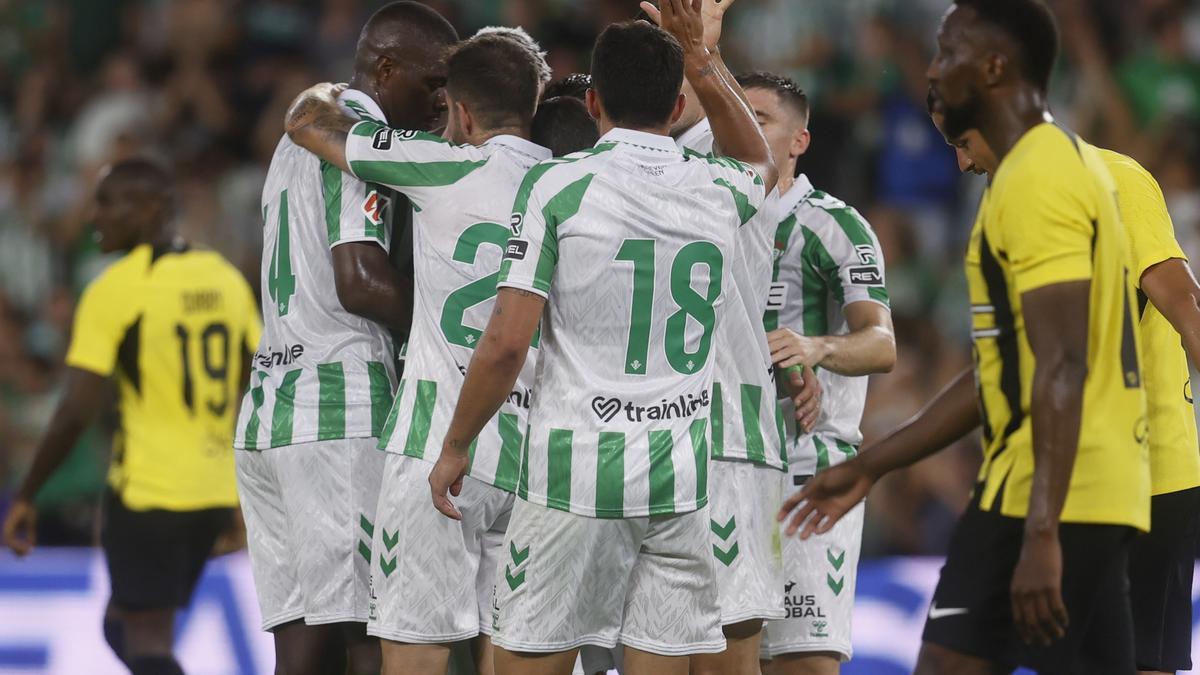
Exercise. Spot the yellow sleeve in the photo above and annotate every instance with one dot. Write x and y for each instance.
(1144, 213)
(101, 319)
(1047, 223)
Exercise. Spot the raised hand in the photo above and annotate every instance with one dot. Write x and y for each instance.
(712, 14)
(681, 18)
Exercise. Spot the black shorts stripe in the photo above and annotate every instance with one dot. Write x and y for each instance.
(1006, 344)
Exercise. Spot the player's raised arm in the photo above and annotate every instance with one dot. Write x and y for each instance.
(735, 128)
(316, 123)
(1172, 289)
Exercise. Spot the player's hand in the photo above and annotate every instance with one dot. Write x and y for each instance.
(789, 348)
(805, 389)
(319, 99)
(447, 477)
(20, 526)
(1039, 614)
(681, 18)
(712, 14)
(825, 499)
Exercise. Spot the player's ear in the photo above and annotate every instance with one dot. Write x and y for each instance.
(995, 67)
(800, 142)
(680, 106)
(466, 122)
(593, 103)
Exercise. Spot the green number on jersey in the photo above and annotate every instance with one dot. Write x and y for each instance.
(480, 290)
(281, 283)
(640, 252)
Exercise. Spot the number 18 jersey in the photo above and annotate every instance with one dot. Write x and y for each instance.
(629, 242)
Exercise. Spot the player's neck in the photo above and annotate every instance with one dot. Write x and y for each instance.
(1009, 117)
(481, 137)
(787, 178)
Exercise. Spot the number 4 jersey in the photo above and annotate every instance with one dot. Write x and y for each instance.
(462, 197)
(321, 372)
(630, 243)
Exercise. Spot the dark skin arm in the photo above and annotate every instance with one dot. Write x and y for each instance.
(316, 123)
(494, 368)
(1173, 290)
(85, 394)
(1056, 322)
(368, 285)
(829, 495)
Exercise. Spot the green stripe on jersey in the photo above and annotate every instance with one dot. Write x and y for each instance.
(718, 421)
(331, 187)
(414, 174)
(610, 475)
(523, 481)
(559, 209)
(368, 128)
(284, 411)
(250, 435)
(822, 453)
(848, 450)
(745, 209)
(783, 237)
(662, 473)
(700, 447)
(389, 427)
(381, 395)
(751, 410)
(558, 469)
(508, 467)
(859, 234)
(779, 429)
(331, 401)
(819, 274)
(422, 413)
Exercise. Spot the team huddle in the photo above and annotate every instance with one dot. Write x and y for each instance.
(557, 370)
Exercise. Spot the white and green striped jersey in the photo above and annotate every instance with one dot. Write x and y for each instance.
(746, 425)
(826, 257)
(629, 243)
(462, 199)
(320, 372)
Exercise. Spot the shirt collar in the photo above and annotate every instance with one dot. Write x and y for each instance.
(361, 106)
(521, 145)
(800, 189)
(697, 135)
(640, 139)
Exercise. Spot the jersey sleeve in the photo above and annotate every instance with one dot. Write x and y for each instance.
(354, 210)
(531, 256)
(743, 182)
(1144, 212)
(102, 317)
(856, 259)
(1046, 223)
(410, 162)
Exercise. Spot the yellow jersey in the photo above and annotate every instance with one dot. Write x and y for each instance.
(1050, 216)
(1174, 452)
(175, 325)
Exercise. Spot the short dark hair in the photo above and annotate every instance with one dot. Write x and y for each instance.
(637, 71)
(574, 85)
(564, 125)
(498, 77)
(153, 177)
(1030, 25)
(397, 22)
(789, 93)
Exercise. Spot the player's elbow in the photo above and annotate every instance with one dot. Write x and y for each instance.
(886, 354)
(353, 291)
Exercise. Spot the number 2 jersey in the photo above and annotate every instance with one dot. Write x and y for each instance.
(462, 199)
(320, 372)
(630, 243)
(174, 325)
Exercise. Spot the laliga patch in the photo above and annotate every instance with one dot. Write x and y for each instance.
(382, 140)
(375, 207)
(516, 249)
(866, 276)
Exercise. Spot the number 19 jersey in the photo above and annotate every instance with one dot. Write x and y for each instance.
(461, 197)
(629, 242)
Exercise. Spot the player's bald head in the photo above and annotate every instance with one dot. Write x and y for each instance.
(404, 31)
(145, 176)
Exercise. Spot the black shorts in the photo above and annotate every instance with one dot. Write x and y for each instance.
(972, 614)
(155, 557)
(1161, 565)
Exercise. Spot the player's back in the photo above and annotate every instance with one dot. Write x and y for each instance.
(635, 240)
(1050, 216)
(320, 372)
(1174, 462)
(183, 321)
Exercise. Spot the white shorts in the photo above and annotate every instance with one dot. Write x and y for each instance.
(820, 575)
(567, 580)
(309, 512)
(432, 577)
(744, 499)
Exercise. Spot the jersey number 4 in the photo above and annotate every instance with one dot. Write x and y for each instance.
(640, 252)
(281, 283)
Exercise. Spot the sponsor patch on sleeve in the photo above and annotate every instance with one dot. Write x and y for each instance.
(868, 275)
(516, 249)
(777, 296)
(383, 139)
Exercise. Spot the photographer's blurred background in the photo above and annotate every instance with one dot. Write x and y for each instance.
(203, 84)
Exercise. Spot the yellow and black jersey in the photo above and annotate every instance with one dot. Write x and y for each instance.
(1050, 216)
(174, 325)
(1174, 455)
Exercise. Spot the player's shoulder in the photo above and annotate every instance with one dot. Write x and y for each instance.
(1131, 178)
(826, 216)
(121, 273)
(383, 138)
(1047, 155)
(551, 176)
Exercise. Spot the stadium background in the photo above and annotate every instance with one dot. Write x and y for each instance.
(204, 83)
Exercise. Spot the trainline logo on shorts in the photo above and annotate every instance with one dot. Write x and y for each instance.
(607, 408)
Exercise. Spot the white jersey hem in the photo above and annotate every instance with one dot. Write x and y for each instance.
(745, 614)
(326, 619)
(308, 438)
(841, 647)
(575, 509)
(745, 460)
(269, 624)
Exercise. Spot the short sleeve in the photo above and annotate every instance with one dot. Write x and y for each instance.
(102, 317)
(411, 162)
(1144, 213)
(857, 259)
(531, 256)
(743, 182)
(1046, 223)
(354, 210)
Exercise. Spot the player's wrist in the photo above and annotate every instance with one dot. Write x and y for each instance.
(699, 64)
